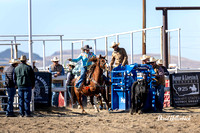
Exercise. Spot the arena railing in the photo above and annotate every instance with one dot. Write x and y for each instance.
(15, 40)
(123, 33)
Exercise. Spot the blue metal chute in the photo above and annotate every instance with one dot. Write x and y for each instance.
(122, 79)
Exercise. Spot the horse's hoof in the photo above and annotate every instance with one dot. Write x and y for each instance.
(140, 112)
(84, 112)
(110, 109)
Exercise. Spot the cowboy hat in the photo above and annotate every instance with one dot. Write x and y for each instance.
(152, 59)
(114, 44)
(144, 57)
(55, 59)
(159, 62)
(23, 58)
(86, 47)
(2, 67)
(71, 64)
(14, 61)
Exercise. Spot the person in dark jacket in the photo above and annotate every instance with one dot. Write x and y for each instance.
(25, 82)
(70, 77)
(160, 63)
(11, 85)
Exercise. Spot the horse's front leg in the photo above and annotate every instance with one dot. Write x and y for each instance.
(94, 103)
(79, 96)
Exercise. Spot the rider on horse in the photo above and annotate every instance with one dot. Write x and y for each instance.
(85, 56)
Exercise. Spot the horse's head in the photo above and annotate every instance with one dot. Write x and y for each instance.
(101, 62)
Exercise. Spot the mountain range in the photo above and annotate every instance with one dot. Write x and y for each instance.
(5, 56)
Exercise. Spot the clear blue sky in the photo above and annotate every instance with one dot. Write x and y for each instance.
(92, 18)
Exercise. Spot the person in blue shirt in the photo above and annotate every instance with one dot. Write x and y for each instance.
(85, 56)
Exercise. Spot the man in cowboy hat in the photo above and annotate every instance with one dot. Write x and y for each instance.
(160, 63)
(25, 83)
(160, 82)
(56, 69)
(11, 85)
(35, 69)
(145, 59)
(119, 56)
(85, 63)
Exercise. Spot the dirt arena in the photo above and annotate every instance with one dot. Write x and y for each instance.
(72, 121)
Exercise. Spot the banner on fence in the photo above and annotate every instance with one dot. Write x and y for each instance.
(185, 89)
(42, 92)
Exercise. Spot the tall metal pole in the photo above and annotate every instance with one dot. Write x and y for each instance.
(11, 51)
(15, 50)
(106, 47)
(165, 38)
(117, 38)
(169, 48)
(95, 46)
(30, 31)
(131, 48)
(72, 50)
(179, 50)
(161, 42)
(144, 26)
(61, 51)
(44, 58)
(81, 45)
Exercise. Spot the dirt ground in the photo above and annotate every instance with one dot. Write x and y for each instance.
(72, 121)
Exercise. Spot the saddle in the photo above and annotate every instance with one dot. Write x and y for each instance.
(89, 74)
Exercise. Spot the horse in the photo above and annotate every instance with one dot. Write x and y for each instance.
(139, 93)
(95, 86)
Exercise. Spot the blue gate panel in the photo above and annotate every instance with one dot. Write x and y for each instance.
(122, 79)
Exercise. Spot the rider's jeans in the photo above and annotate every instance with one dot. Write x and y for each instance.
(82, 76)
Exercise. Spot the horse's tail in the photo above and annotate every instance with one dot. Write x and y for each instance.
(72, 91)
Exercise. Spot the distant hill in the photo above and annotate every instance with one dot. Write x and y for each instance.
(5, 56)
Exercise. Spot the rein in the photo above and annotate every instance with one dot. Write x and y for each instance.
(95, 82)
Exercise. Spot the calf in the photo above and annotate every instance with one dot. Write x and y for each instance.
(138, 95)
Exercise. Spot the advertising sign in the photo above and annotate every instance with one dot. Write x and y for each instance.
(42, 92)
(185, 89)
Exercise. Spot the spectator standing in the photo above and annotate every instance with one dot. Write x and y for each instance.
(56, 70)
(160, 63)
(145, 59)
(11, 86)
(2, 92)
(35, 69)
(160, 82)
(70, 77)
(25, 83)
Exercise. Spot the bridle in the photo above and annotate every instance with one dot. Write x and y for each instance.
(101, 65)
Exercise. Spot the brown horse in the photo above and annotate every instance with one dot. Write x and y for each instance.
(96, 85)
